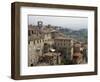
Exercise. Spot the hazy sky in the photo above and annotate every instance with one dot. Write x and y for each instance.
(74, 23)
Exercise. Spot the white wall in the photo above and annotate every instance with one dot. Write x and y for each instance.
(5, 40)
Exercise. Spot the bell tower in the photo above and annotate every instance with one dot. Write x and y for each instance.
(40, 24)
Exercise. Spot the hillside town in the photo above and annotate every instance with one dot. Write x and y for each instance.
(48, 46)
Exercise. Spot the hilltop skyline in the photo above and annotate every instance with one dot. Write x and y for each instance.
(75, 23)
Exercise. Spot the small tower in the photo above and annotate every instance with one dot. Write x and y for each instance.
(40, 24)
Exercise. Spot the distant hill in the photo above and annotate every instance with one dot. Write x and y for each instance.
(80, 35)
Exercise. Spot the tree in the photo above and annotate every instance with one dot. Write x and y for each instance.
(66, 54)
(46, 48)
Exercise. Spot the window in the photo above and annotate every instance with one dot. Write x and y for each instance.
(28, 42)
(29, 33)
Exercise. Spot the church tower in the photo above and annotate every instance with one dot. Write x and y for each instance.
(40, 24)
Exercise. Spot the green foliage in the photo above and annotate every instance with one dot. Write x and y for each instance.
(46, 47)
(80, 35)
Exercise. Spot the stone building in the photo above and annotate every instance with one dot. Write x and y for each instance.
(42, 39)
(64, 43)
(78, 53)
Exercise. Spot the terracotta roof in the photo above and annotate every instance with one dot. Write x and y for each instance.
(77, 54)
